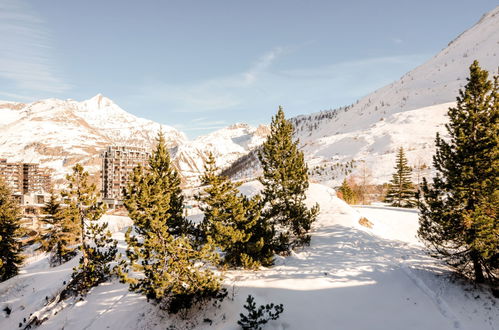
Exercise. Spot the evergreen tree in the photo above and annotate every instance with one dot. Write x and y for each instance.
(10, 247)
(347, 194)
(62, 233)
(233, 221)
(459, 217)
(97, 247)
(285, 180)
(401, 192)
(175, 271)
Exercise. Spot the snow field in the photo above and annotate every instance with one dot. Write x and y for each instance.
(351, 277)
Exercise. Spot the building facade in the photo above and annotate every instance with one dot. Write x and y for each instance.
(118, 163)
(25, 178)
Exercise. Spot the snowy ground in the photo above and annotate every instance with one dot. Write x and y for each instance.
(350, 277)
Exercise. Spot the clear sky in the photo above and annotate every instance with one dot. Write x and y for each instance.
(202, 65)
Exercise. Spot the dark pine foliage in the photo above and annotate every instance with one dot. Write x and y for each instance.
(175, 270)
(459, 208)
(10, 247)
(258, 316)
(401, 192)
(97, 247)
(233, 221)
(285, 181)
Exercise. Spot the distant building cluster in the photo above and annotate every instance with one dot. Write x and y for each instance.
(30, 185)
(25, 178)
(118, 163)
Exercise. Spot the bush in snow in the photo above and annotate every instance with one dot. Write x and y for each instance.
(258, 316)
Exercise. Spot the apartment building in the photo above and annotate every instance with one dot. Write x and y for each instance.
(25, 178)
(118, 163)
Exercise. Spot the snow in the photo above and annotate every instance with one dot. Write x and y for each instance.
(406, 113)
(351, 277)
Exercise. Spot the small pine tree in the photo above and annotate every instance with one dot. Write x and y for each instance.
(459, 210)
(101, 250)
(10, 247)
(175, 271)
(62, 233)
(233, 221)
(257, 317)
(97, 247)
(347, 194)
(285, 180)
(401, 192)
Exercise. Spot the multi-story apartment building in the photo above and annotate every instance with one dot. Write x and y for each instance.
(118, 163)
(25, 178)
(12, 174)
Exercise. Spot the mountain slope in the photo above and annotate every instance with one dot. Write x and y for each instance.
(406, 113)
(59, 133)
(227, 145)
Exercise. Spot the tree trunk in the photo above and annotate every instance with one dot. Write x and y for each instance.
(477, 267)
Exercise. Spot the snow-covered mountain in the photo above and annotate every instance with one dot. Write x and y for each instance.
(59, 133)
(227, 145)
(407, 113)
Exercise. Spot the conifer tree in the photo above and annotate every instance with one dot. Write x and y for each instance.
(285, 180)
(401, 192)
(459, 210)
(10, 247)
(233, 221)
(347, 194)
(175, 271)
(62, 233)
(97, 246)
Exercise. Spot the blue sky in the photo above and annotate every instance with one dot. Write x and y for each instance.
(202, 65)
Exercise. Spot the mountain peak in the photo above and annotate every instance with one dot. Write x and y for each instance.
(99, 101)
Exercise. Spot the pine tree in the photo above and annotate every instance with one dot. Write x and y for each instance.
(347, 194)
(97, 247)
(459, 218)
(175, 270)
(10, 247)
(285, 180)
(401, 192)
(233, 221)
(62, 233)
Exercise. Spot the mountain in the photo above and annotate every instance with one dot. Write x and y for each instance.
(407, 113)
(58, 133)
(227, 145)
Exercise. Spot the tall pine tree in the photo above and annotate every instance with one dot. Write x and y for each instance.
(62, 232)
(175, 270)
(233, 221)
(97, 247)
(401, 192)
(10, 247)
(459, 218)
(285, 180)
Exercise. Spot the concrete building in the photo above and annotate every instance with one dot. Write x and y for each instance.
(118, 163)
(25, 178)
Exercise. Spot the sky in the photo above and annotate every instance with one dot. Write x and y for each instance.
(203, 65)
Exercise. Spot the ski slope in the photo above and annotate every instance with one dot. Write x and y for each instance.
(350, 277)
